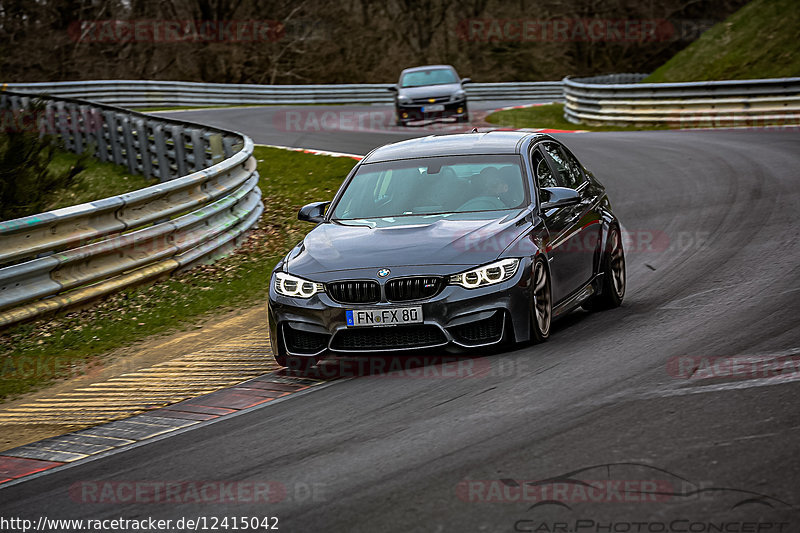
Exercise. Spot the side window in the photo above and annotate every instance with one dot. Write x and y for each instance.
(569, 171)
(575, 167)
(544, 176)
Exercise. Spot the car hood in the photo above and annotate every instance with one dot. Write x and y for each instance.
(430, 90)
(352, 245)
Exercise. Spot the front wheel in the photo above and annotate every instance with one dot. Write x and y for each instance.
(542, 312)
(612, 290)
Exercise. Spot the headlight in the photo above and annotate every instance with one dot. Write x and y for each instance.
(459, 95)
(486, 275)
(289, 285)
(404, 100)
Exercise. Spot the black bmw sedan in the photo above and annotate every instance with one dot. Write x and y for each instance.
(454, 241)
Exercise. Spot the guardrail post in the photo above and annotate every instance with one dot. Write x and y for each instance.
(216, 148)
(115, 139)
(47, 124)
(98, 134)
(227, 143)
(198, 149)
(76, 140)
(179, 147)
(61, 121)
(164, 171)
(130, 146)
(141, 138)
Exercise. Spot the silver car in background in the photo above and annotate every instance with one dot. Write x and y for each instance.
(428, 93)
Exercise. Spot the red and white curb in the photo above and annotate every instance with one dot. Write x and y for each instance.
(314, 152)
(522, 106)
(48, 454)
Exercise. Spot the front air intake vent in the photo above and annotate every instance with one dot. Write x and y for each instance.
(355, 292)
(416, 288)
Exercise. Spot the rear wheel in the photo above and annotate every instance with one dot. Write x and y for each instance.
(542, 312)
(612, 290)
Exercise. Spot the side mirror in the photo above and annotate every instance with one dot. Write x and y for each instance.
(393, 88)
(313, 212)
(552, 197)
(466, 80)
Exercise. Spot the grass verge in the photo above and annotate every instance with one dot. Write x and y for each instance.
(551, 116)
(98, 180)
(758, 41)
(34, 354)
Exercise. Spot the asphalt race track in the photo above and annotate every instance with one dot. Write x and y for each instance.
(350, 129)
(713, 255)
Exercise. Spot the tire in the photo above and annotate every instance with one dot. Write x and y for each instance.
(612, 288)
(542, 302)
(464, 118)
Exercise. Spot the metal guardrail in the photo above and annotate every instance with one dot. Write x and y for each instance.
(133, 94)
(207, 199)
(621, 99)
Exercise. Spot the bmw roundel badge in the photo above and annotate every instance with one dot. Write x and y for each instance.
(382, 273)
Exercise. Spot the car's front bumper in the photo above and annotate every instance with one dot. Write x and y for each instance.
(417, 112)
(455, 318)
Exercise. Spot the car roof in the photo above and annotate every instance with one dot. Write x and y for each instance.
(492, 142)
(427, 67)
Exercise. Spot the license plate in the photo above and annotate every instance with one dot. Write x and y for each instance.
(432, 108)
(384, 317)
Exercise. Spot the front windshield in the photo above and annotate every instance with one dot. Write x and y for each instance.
(433, 186)
(437, 76)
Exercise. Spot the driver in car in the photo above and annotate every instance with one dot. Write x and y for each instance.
(494, 186)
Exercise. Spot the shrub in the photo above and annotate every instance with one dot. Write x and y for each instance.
(26, 182)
